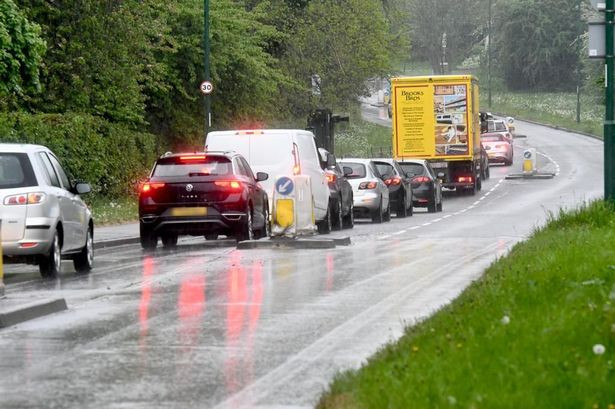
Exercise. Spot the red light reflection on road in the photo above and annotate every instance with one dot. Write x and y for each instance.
(191, 307)
(244, 301)
(146, 296)
(330, 271)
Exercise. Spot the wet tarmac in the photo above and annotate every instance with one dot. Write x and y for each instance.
(205, 326)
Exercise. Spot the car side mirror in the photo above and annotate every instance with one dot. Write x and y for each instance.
(261, 176)
(331, 162)
(347, 170)
(81, 188)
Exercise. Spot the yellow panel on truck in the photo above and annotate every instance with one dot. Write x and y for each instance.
(437, 118)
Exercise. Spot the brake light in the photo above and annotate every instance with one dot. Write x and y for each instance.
(421, 179)
(464, 179)
(331, 177)
(296, 170)
(394, 181)
(249, 133)
(191, 158)
(146, 187)
(228, 184)
(368, 185)
(24, 199)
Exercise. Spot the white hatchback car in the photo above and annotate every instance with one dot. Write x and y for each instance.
(43, 219)
(371, 194)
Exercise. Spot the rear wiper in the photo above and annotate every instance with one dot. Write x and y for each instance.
(198, 174)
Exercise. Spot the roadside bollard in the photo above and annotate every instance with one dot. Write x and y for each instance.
(293, 207)
(529, 161)
(1, 264)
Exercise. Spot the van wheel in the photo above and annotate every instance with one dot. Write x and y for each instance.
(84, 261)
(50, 264)
(324, 226)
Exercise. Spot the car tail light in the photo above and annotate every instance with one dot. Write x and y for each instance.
(331, 177)
(228, 184)
(147, 186)
(394, 181)
(28, 245)
(368, 185)
(191, 158)
(296, 170)
(418, 180)
(24, 199)
(500, 146)
(465, 179)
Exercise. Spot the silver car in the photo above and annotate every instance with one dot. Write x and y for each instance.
(43, 219)
(371, 194)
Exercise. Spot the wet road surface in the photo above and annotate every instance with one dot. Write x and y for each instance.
(205, 326)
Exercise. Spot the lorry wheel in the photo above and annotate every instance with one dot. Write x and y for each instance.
(479, 184)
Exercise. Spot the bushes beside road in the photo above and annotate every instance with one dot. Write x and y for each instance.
(536, 331)
(111, 157)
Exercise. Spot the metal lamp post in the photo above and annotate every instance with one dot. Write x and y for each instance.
(207, 96)
(489, 56)
(609, 124)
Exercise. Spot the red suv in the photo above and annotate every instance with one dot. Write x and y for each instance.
(202, 194)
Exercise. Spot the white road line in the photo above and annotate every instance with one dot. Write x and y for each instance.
(415, 227)
(447, 216)
(426, 224)
(397, 233)
(437, 220)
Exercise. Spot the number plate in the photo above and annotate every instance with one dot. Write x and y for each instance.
(439, 165)
(189, 211)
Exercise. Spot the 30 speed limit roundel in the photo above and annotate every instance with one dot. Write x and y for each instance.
(206, 87)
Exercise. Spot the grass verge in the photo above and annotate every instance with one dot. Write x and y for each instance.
(363, 139)
(523, 336)
(113, 211)
(557, 109)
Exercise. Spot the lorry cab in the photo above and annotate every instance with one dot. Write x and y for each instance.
(278, 152)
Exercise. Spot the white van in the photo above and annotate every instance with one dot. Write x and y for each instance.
(280, 152)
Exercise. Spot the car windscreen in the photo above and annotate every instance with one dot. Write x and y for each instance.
(193, 166)
(493, 138)
(358, 170)
(385, 169)
(16, 171)
(415, 169)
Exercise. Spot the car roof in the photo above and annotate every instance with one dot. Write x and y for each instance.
(21, 147)
(357, 160)
(263, 132)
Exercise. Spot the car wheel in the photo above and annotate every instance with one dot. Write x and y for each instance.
(148, 239)
(50, 264)
(387, 214)
(402, 210)
(324, 226)
(169, 240)
(479, 184)
(338, 221)
(266, 230)
(349, 218)
(432, 206)
(247, 230)
(211, 236)
(487, 173)
(84, 261)
(377, 214)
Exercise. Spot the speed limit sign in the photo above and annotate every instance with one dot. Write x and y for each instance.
(206, 87)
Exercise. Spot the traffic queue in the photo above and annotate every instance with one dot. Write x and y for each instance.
(246, 185)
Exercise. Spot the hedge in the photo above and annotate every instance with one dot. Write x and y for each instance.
(111, 157)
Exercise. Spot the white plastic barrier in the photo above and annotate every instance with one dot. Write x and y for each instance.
(293, 207)
(529, 161)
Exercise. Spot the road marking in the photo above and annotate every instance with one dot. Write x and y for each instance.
(447, 216)
(397, 233)
(415, 227)
(437, 220)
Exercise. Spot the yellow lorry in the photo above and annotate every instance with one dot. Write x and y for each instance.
(437, 118)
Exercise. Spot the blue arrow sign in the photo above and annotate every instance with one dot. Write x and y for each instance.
(284, 186)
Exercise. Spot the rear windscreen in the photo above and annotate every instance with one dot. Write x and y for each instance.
(358, 170)
(267, 150)
(415, 169)
(208, 166)
(385, 169)
(15, 171)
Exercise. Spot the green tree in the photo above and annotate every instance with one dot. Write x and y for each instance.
(344, 43)
(535, 41)
(21, 52)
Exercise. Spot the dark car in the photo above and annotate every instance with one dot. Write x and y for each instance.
(426, 187)
(400, 189)
(202, 194)
(340, 191)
